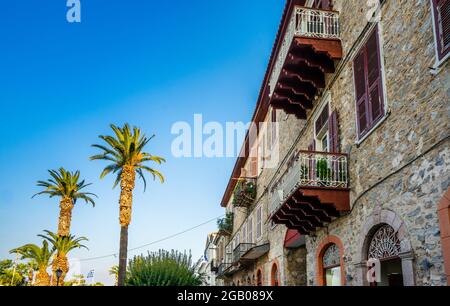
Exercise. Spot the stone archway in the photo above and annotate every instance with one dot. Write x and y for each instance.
(376, 219)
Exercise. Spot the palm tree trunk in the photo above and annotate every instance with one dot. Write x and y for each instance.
(123, 255)
(60, 261)
(42, 277)
(125, 202)
(65, 216)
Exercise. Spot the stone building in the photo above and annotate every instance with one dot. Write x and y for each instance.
(347, 181)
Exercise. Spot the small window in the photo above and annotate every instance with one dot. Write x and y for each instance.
(275, 276)
(259, 281)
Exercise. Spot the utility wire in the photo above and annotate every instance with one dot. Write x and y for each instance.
(156, 241)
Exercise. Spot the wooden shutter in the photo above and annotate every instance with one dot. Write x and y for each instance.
(368, 85)
(333, 131)
(361, 94)
(441, 12)
(374, 83)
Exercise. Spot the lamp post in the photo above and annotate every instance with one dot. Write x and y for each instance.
(58, 276)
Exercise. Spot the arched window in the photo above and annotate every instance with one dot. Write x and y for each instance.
(259, 281)
(384, 249)
(331, 262)
(274, 275)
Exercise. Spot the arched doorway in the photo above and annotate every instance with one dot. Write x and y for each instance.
(383, 254)
(444, 221)
(275, 277)
(384, 237)
(259, 278)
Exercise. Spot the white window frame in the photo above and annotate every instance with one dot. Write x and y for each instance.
(318, 135)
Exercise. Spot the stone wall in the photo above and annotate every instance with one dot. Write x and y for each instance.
(400, 169)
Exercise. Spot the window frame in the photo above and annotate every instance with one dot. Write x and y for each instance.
(361, 137)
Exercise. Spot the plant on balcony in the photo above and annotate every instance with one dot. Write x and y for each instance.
(244, 193)
(323, 172)
(225, 224)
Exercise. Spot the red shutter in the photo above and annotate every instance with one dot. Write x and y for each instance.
(441, 12)
(361, 94)
(374, 78)
(333, 130)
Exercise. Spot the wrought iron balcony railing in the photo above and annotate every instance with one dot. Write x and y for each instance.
(309, 23)
(310, 169)
(241, 249)
(222, 268)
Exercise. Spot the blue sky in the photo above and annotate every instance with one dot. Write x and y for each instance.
(149, 63)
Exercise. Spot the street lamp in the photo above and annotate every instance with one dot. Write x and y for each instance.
(59, 273)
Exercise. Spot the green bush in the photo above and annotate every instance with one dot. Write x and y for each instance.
(225, 225)
(162, 268)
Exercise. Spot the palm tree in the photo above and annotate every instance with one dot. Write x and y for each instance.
(40, 257)
(62, 245)
(64, 184)
(125, 152)
(115, 272)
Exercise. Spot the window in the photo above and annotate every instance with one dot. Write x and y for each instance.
(274, 274)
(322, 4)
(274, 127)
(244, 232)
(368, 85)
(259, 222)
(441, 19)
(331, 265)
(259, 281)
(326, 135)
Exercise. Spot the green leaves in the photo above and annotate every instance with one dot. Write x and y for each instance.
(65, 184)
(64, 244)
(125, 148)
(40, 255)
(163, 268)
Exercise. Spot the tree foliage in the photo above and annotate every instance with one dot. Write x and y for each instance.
(163, 268)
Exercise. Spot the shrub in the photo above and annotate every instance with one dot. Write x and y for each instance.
(162, 268)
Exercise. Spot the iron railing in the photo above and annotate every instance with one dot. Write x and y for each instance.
(305, 22)
(310, 169)
(222, 268)
(240, 250)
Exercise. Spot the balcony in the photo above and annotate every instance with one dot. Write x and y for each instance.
(225, 225)
(312, 192)
(240, 250)
(223, 267)
(245, 192)
(309, 49)
(214, 268)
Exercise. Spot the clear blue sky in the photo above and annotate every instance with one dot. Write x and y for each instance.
(149, 63)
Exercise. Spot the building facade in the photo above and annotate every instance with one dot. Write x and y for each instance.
(347, 179)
